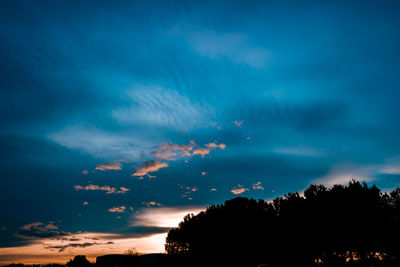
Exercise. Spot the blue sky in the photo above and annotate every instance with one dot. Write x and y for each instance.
(114, 112)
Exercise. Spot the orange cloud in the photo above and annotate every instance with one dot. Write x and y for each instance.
(85, 203)
(201, 151)
(239, 190)
(109, 166)
(148, 167)
(171, 151)
(108, 189)
(214, 145)
(151, 204)
(203, 173)
(257, 186)
(117, 209)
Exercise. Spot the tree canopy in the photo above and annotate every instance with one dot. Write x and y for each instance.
(326, 226)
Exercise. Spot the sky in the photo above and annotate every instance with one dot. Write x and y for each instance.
(117, 118)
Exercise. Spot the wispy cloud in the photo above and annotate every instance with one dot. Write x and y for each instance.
(298, 151)
(344, 174)
(106, 188)
(61, 248)
(149, 167)
(239, 190)
(109, 166)
(158, 106)
(393, 169)
(120, 209)
(235, 47)
(102, 144)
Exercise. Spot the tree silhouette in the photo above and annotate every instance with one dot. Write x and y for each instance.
(78, 261)
(328, 226)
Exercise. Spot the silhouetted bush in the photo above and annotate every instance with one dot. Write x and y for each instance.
(78, 261)
(353, 225)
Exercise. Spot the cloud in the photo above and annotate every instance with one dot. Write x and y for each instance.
(106, 188)
(85, 203)
(109, 166)
(238, 123)
(84, 172)
(239, 190)
(149, 167)
(201, 151)
(257, 186)
(188, 190)
(298, 151)
(162, 217)
(390, 169)
(214, 145)
(203, 173)
(40, 230)
(344, 174)
(102, 144)
(151, 203)
(158, 106)
(120, 209)
(213, 189)
(232, 46)
(171, 151)
(61, 248)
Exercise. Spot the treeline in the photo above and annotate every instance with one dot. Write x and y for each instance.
(353, 225)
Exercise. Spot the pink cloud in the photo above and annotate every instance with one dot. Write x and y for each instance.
(149, 167)
(151, 204)
(257, 186)
(171, 151)
(201, 151)
(238, 123)
(109, 166)
(84, 172)
(239, 190)
(85, 203)
(120, 209)
(214, 145)
(203, 173)
(106, 188)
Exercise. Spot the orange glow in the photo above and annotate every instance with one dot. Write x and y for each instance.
(40, 252)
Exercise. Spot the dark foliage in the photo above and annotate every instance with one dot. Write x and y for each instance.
(78, 261)
(343, 225)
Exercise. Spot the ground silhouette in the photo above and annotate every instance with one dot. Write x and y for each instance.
(342, 225)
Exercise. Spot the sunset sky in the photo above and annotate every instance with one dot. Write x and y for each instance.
(117, 118)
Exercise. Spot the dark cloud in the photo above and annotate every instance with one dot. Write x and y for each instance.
(61, 248)
(40, 230)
